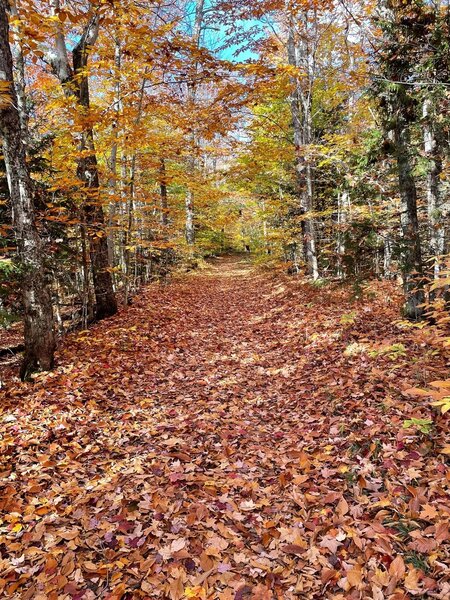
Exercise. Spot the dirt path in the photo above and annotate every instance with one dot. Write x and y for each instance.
(231, 435)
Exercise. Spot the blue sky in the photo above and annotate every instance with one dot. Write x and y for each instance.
(245, 54)
(217, 35)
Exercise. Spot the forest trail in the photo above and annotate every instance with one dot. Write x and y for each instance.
(232, 435)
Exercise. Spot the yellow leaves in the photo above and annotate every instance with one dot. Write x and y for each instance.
(412, 580)
(440, 283)
(291, 71)
(440, 397)
(195, 593)
(381, 578)
(5, 94)
(443, 404)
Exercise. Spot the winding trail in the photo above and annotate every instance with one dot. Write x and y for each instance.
(227, 437)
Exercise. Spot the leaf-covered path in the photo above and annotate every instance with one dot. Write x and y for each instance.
(231, 435)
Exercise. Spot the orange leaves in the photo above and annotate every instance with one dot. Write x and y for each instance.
(441, 397)
(199, 445)
(397, 568)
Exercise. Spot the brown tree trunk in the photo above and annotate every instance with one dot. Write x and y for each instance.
(75, 82)
(38, 313)
(412, 266)
(87, 172)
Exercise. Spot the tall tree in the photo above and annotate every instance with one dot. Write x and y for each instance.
(434, 70)
(37, 305)
(396, 62)
(75, 81)
(192, 87)
(301, 54)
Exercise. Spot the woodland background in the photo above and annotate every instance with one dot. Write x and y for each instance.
(152, 134)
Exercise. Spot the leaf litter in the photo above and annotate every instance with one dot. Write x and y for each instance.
(218, 440)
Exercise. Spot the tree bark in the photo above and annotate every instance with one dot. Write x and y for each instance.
(38, 313)
(434, 196)
(19, 71)
(112, 163)
(75, 82)
(412, 266)
(397, 64)
(129, 227)
(344, 205)
(163, 194)
(192, 97)
(302, 125)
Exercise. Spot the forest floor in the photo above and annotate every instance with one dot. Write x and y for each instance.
(232, 435)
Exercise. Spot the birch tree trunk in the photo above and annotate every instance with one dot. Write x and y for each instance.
(37, 305)
(434, 197)
(191, 98)
(343, 207)
(302, 124)
(112, 163)
(19, 72)
(129, 227)
(164, 195)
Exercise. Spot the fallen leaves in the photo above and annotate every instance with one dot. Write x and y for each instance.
(234, 450)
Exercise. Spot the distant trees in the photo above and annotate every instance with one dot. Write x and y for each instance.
(369, 130)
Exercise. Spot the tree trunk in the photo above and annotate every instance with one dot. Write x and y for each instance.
(75, 82)
(342, 219)
(192, 96)
(387, 256)
(397, 64)
(19, 68)
(412, 267)
(129, 228)
(302, 125)
(87, 172)
(163, 193)
(434, 200)
(112, 163)
(38, 313)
